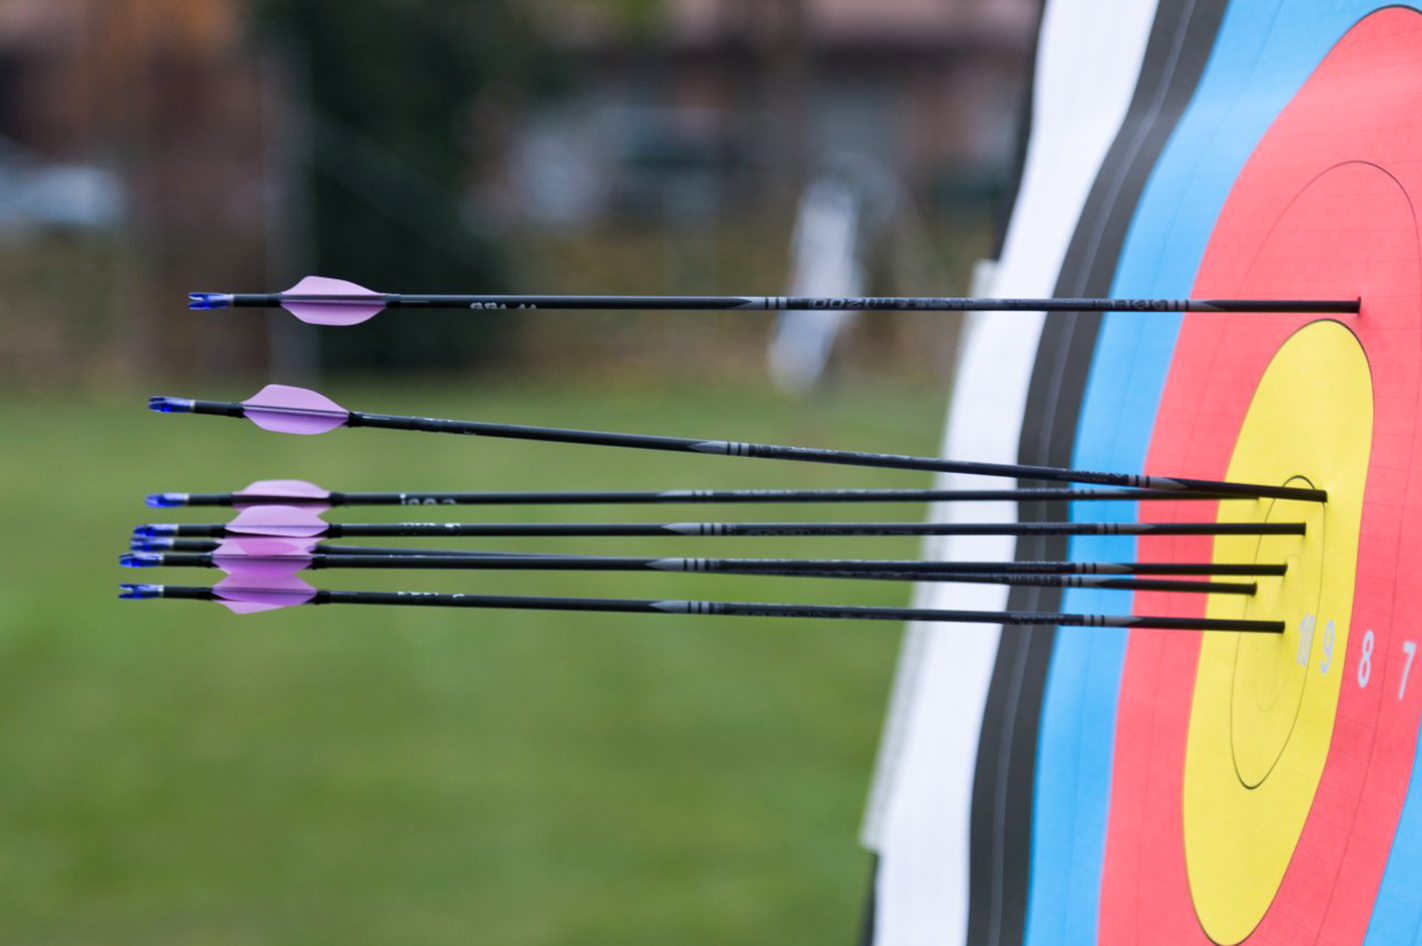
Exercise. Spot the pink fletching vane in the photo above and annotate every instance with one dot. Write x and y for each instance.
(296, 492)
(248, 594)
(337, 302)
(262, 558)
(282, 522)
(291, 410)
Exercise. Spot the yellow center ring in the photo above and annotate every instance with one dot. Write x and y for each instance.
(1262, 715)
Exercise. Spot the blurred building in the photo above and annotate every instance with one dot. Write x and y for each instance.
(720, 104)
(173, 146)
(157, 90)
(138, 128)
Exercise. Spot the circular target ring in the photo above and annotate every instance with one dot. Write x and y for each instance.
(1266, 148)
(1276, 826)
(1262, 711)
(1267, 691)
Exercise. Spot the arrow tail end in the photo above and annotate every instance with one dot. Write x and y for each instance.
(170, 405)
(209, 300)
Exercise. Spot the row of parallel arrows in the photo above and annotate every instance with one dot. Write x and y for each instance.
(279, 531)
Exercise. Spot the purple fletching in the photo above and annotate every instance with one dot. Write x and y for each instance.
(292, 410)
(248, 594)
(298, 492)
(282, 522)
(358, 305)
(262, 558)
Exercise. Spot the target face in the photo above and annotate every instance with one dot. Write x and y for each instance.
(1252, 778)
(1150, 787)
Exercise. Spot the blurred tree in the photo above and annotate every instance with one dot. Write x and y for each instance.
(637, 15)
(388, 88)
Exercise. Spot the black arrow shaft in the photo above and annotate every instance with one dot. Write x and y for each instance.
(915, 566)
(756, 529)
(822, 455)
(694, 496)
(211, 545)
(763, 303)
(741, 449)
(788, 568)
(748, 609)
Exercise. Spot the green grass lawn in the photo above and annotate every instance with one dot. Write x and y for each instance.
(173, 774)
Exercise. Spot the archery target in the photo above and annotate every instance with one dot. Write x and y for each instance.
(1269, 798)
(1218, 789)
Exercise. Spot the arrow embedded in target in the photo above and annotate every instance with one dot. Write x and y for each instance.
(926, 567)
(250, 593)
(295, 522)
(321, 300)
(309, 495)
(262, 556)
(294, 410)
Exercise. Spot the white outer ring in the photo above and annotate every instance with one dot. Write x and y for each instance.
(1088, 63)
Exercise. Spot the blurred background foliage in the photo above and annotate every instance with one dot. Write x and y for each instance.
(151, 147)
(176, 775)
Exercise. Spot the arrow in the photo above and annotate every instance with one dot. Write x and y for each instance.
(295, 522)
(302, 493)
(165, 544)
(281, 557)
(296, 410)
(320, 300)
(247, 595)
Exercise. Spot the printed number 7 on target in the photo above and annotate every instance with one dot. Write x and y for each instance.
(1365, 664)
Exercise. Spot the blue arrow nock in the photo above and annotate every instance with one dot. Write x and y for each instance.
(156, 528)
(165, 500)
(209, 300)
(135, 592)
(171, 405)
(149, 544)
(141, 560)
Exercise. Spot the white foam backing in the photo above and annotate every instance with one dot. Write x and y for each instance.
(917, 821)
